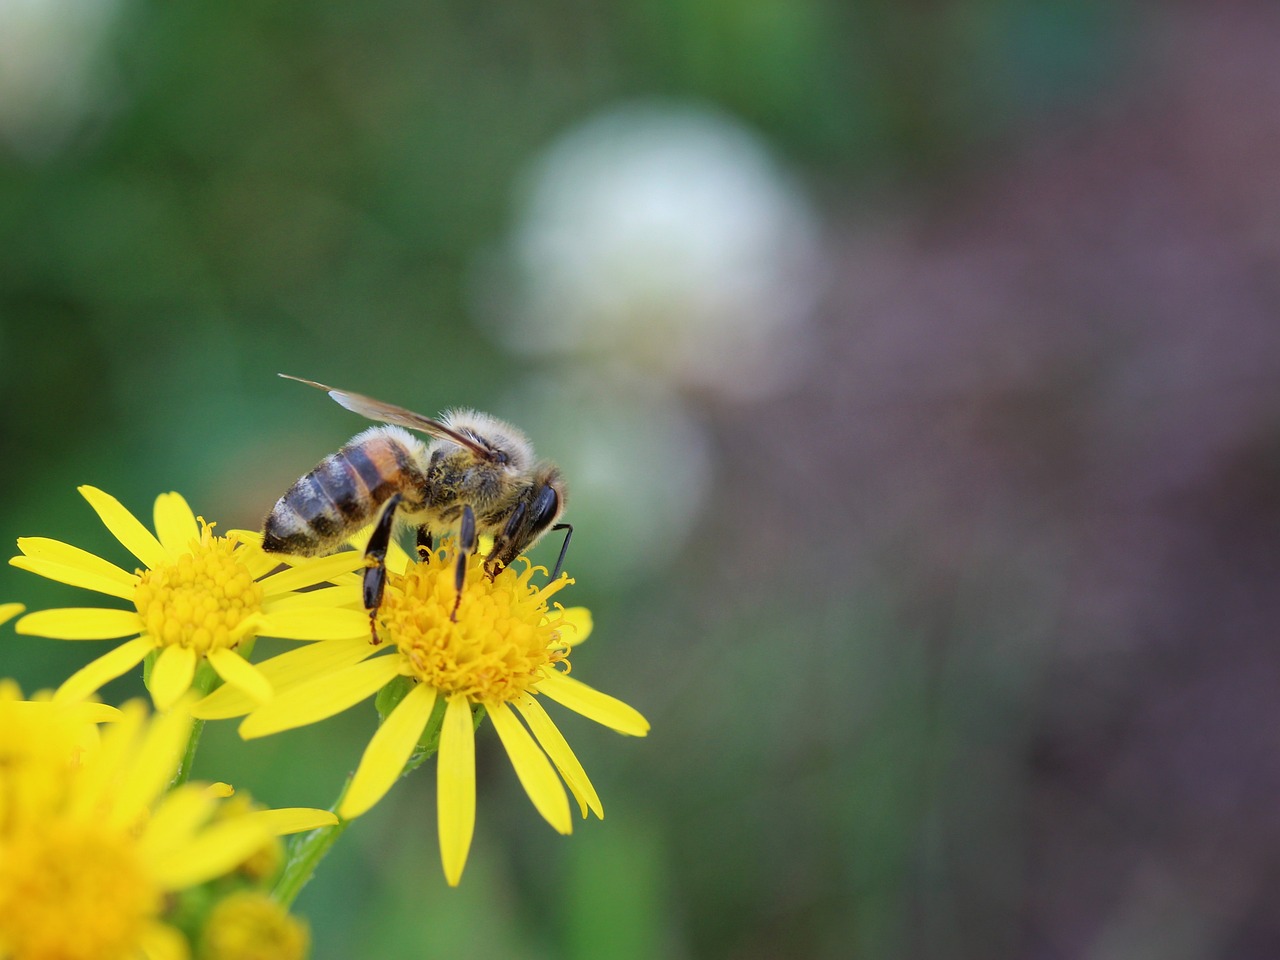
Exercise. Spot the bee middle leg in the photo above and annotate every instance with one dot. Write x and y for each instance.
(375, 555)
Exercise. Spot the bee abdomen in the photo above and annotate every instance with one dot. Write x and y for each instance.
(342, 494)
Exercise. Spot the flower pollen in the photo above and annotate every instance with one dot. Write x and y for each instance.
(206, 599)
(503, 641)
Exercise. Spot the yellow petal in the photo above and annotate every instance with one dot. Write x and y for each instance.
(90, 678)
(10, 610)
(456, 788)
(286, 820)
(55, 551)
(238, 672)
(532, 767)
(593, 704)
(151, 766)
(388, 751)
(171, 675)
(332, 624)
(74, 576)
(177, 817)
(126, 528)
(285, 671)
(576, 625)
(81, 623)
(332, 598)
(320, 698)
(159, 941)
(216, 850)
(561, 754)
(175, 523)
(308, 571)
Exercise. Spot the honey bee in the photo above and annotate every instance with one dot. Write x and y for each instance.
(476, 475)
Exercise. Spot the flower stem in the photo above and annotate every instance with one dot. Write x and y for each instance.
(205, 680)
(305, 853)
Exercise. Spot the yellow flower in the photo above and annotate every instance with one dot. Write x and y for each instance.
(507, 648)
(198, 598)
(91, 848)
(251, 926)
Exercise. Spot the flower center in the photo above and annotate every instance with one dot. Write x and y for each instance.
(205, 599)
(72, 891)
(249, 926)
(503, 639)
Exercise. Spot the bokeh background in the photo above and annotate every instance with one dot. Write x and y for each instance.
(915, 366)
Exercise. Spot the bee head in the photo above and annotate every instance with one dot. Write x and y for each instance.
(534, 514)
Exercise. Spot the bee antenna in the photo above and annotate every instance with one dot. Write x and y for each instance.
(564, 548)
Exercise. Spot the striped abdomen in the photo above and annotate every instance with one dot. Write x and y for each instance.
(344, 492)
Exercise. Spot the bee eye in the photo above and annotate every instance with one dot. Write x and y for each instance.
(545, 507)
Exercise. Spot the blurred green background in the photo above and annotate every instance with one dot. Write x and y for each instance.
(957, 629)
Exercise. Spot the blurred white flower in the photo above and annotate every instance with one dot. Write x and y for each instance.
(51, 69)
(637, 465)
(667, 239)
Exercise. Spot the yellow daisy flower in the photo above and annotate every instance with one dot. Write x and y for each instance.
(508, 647)
(198, 598)
(91, 848)
(251, 926)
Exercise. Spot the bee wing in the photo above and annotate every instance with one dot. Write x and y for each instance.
(390, 413)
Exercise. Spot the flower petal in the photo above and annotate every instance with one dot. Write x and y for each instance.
(333, 598)
(575, 626)
(307, 571)
(216, 850)
(456, 787)
(177, 817)
(171, 675)
(10, 610)
(55, 551)
(151, 766)
(159, 941)
(126, 528)
(331, 624)
(593, 704)
(536, 774)
(239, 672)
(286, 820)
(81, 623)
(558, 749)
(107, 667)
(285, 671)
(175, 523)
(74, 576)
(388, 751)
(320, 698)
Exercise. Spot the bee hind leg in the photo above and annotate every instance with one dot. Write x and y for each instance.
(467, 541)
(375, 555)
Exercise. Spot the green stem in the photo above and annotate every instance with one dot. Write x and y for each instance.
(188, 755)
(305, 853)
(205, 680)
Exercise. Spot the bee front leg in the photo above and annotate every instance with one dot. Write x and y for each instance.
(425, 543)
(375, 556)
(466, 546)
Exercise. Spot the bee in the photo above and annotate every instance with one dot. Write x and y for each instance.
(475, 475)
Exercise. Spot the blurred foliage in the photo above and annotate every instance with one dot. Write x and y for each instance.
(304, 187)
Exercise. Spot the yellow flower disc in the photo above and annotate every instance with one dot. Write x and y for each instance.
(72, 891)
(204, 600)
(501, 643)
(251, 926)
